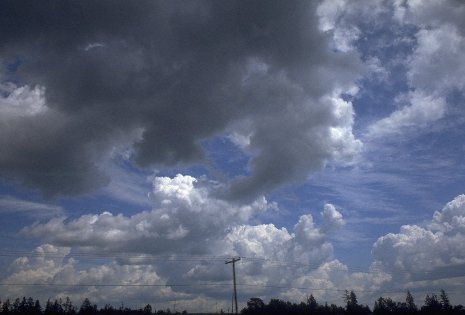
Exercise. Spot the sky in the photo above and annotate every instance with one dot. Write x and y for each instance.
(145, 143)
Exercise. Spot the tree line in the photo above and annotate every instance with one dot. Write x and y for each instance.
(29, 306)
(433, 305)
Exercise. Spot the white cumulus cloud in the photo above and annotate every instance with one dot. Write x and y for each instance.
(417, 255)
(172, 243)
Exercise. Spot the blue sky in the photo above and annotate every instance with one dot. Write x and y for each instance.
(143, 144)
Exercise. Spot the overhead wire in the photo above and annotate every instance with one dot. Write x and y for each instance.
(203, 259)
(271, 263)
(308, 289)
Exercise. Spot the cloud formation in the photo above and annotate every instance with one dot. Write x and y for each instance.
(189, 233)
(9, 204)
(434, 251)
(433, 72)
(159, 78)
(183, 239)
(94, 96)
(423, 42)
(185, 216)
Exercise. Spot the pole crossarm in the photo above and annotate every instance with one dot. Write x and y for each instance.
(233, 261)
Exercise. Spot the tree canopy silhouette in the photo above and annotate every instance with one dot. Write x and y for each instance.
(433, 304)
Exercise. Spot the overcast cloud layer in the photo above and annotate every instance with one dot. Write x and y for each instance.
(301, 133)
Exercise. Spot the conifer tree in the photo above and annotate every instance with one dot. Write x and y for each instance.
(445, 303)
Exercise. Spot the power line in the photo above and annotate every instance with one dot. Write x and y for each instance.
(148, 257)
(399, 290)
(271, 263)
(114, 284)
(264, 286)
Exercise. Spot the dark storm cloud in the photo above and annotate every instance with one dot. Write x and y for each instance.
(162, 76)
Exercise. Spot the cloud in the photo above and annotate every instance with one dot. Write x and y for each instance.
(163, 77)
(20, 101)
(434, 251)
(436, 65)
(51, 265)
(421, 111)
(423, 43)
(434, 68)
(430, 14)
(185, 215)
(331, 217)
(189, 233)
(341, 20)
(126, 185)
(326, 136)
(184, 239)
(9, 204)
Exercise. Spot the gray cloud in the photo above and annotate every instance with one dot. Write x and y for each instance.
(161, 77)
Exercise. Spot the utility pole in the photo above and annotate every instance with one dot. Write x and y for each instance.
(233, 261)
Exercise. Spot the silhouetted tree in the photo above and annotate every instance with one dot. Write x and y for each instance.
(411, 308)
(107, 310)
(387, 306)
(352, 306)
(6, 307)
(254, 306)
(351, 301)
(48, 308)
(458, 309)
(432, 305)
(147, 309)
(87, 308)
(53, 308)
(37, 308)
(380, 307)
(277, 306)
(16, 308)
(311, 303)
(25, 306)
(28, 305)
(68, 307)
(445, 303)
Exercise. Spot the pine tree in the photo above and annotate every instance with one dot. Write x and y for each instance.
(410, 302)
(68, 307)
(311, 302)
(445, 303)
(16, 306)
(87, 308)
(6, 307)
(48, 307)
(147, 309)
(37, 308)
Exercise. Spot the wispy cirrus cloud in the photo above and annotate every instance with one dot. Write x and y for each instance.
(10, 204)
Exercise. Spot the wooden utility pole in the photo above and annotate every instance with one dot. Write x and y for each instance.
(233, 261)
